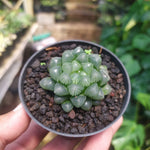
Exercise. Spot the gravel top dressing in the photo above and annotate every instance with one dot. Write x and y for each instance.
(41, 103)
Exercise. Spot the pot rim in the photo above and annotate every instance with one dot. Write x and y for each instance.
(126, 99)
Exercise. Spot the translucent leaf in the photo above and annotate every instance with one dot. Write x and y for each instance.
(85, 81)
(82, 73)
(92, 90)
(99, 96)
(47, 83)
(78, 101)
(67, 106)
(59, 99)
(55, 61)
(83, 57)
(75, 66)
(106, 89)
(67, 67)
(87, 105)
(75, 78)
(75, 89)
(65, 78)
(95, 76)
(55, 72)
(77, 51)
(67, 56)
(105, 75)
(87, 67)
(60, 90)
(96, 60)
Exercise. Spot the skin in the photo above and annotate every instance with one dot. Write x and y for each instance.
(18, 132)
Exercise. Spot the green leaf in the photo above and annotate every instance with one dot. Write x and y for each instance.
(107, 32)
(83, 57)
(55, 61)
(128, 135)
(99, 96)
(92, 90)
(87, 67)
(67, 67)
(47, 83)
(65, 78)
(87, 105)
(75, 66)
(59, 99)
(146, 16)
(85, 81)
(106, 89)
(55, 72)
(131, 64)
(60, 90)
(146, 61)
(67, 56)
(141, 42)
(144, 99)
(78, 101)
(77, 51)
(95, 76)
(75, 89)
(96, 60)
(75, 78)
(67, 106)
(131, 23)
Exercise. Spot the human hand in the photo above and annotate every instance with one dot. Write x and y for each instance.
(17, 132)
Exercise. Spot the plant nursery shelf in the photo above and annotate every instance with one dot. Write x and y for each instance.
(12, 64)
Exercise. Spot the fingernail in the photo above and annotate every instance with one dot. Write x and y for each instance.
(18, 108)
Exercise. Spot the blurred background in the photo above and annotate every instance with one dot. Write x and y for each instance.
(123, 27)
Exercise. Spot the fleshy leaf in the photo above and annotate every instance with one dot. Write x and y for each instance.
(67, 56)
(87, 105)
(59, 99)
(67, 106)
(55, 61)
(75, 66)
(75, 78)
(82, 73)
(85, 81)
(83, 57)
(95, 76)
(105, 76)
(87, 67)
(67, 67)
(92, 90)
(60, 90)
(99, 96)
(75, 89)
(96, 60)
(107, 89)
(55, 72)
(78, 50)
(65, 78)
(47, 83)
(78, 101)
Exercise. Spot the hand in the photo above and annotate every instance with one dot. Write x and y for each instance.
(17, 132)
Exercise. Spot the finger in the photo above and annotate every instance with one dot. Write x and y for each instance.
(62, 143)
(12, 125)
(101, 140)
(29, 139)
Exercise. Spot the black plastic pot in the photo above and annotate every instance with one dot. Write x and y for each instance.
(78, 43)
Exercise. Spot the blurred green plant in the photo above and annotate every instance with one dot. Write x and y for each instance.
(126, 32)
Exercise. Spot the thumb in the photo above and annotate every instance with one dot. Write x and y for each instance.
(12, 125)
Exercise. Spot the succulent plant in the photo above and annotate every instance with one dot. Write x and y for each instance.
(77, 79)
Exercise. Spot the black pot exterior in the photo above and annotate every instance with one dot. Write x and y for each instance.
(114, 58)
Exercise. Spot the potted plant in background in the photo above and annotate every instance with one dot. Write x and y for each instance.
(74, 88)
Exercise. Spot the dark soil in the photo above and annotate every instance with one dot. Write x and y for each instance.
(41, 104)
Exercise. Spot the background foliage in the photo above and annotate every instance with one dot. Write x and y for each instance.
(126, 32)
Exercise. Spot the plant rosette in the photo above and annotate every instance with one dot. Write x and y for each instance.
(74, 88)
